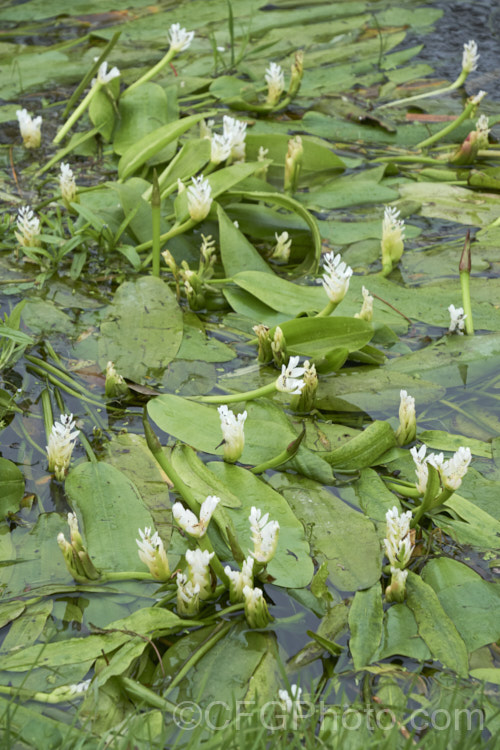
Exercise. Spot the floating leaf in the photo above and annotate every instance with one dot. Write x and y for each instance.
(365, 622)
(11, 487)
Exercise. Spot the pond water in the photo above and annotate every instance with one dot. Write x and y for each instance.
(89, 294)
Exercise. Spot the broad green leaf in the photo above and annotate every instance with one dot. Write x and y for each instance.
(316, 337)
(110, 511)
(292, 565)
(374, 496)
(318, 158)
(472, 603)
(197, 345)
(143, 328)
(279, 294)
(27, 628)
(400, 636)
(130, 454)
(9, 611)
(188, 161)
(148, 621)
(267, 430)
(11, 487)
(139, 153)
(435, 627)
(443, 441)
(365, 622)
(237, 253)
(102, 111)
(453, 203)
(142, 111)
(200, 479)
(333, 527)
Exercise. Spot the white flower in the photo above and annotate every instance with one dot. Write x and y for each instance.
(235, 132)
(288, 381)
(31, 128)
(188, 521)
(457, 320)
(455, 468)
(199, 570)
(470, 57)
(479, 97)
(275, 82)
(188, 596)
(336, 277)
(233, 434)
(152, 553)
(393, 234)
(67, 183)
(80, 687)
(395, 592)
(483, 131)
(220, 148)
(366, 312)
(199, 198)
(29, 228)
(61, 443)
(264, 535)
(282, 248)
(103, 77)
(263, 152)
(239, 579)
(179, 39)
(407, 429)
(291, 703)
(398, 546)
(256, 610)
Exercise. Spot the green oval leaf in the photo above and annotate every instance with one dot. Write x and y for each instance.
(11, 487)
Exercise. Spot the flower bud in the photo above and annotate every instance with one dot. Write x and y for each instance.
(256, 610)
(233, 434)
(281, 251)
(275, 83)
(304, 402)
(115, 386)
(396, 590)
(297, 73)
(199, 570)
(278, 348)
(31, 128)
(152, 553)
(239, 579)
(467, 152)
(366, 312)
(407, 430)
(265, 353)
(392, 239)
(199, 198)
(293, 164)
(188, 596)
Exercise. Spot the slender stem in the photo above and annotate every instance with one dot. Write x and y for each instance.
(466, 302)
(154, 71)
(327, 310)
(233, 398)
(449, 128)
(127, 575)
(156, 222)
(403, 490)
(218, 633)
(176, 229)
(78, 112)
(455, 85)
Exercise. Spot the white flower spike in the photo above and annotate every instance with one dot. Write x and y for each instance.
(398, 546)
(31, 128)
(61, 443)
(188, 596)
(199, 196)
(290, 703)
(470, 57)
(289, 380)
(264, 535)
(179, 38)
(336, 277)
(239, 579)
(407, 430)
(393, 234)
(235, 132)
(29, 228)
(199, 570)
(275, 82)
(457, 320)
(104, 76)
(67, 183)
(256, 610)
(220, 148)
(188, 521)
(152, 553)
(282, 248)
(455, 468)
(233, 433)
(366, 312)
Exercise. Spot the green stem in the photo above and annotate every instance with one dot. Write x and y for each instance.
(402, 489)
(327, 310)
(127, 575)
(176, 229)
(455, 85)
(449, 128)
(156, 222)
(151, 73)
(218, 633)
(465, 284)
(78, 112)
(416, 158)
(233, 398)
